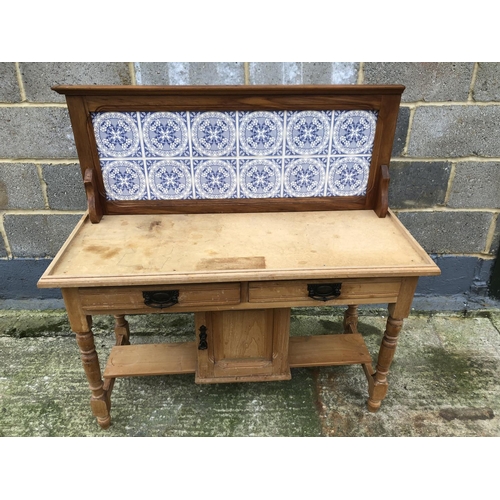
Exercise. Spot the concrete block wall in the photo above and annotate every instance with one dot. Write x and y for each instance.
(445, 170)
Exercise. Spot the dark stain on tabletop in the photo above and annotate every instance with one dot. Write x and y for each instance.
(103, 251)
(156, 224)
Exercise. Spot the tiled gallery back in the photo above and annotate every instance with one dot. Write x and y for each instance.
(260, 154)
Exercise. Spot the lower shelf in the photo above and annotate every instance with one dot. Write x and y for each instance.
(151, 359)
(170, 359)
(328, 350)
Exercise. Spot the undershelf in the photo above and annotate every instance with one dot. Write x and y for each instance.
(169, 359)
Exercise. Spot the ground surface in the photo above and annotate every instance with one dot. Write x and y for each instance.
(443, 382)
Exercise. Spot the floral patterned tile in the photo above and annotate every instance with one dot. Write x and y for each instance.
(215, 178)
(217, 155)
(170, 179)
(164, 134)
(260, 178)
(213, 134)
(305, 177)
(308, 132)
(117, 135)
(261, 133)
(124, 180)
(348, 176)
(353, 132)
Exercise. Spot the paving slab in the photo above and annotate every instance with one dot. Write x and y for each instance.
(443, 367)
(443, 382)
(43, 391)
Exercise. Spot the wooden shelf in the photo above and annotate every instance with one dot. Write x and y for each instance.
(169, 359)
(151, 359)
(327, 350)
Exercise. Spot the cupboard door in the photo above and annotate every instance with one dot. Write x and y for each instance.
(243, 346)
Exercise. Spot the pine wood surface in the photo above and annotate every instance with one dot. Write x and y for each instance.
(260, 294)
(201, 248)
(251, 343)
(328, 350)
(384, 290)
(165, 359)
(151, 359)
(131, 300)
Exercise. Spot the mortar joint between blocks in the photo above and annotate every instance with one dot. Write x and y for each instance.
(20, 82)
(43, 186)
(451, 178)
(131, 69)
(470, 97)
(491, 233)
(3, 234)
(361, 73)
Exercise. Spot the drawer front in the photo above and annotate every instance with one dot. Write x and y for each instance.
(296, 293)
(132, 299)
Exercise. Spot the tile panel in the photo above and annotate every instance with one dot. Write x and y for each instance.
(221, 155)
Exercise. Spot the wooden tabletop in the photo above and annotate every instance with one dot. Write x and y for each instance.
(202, 248)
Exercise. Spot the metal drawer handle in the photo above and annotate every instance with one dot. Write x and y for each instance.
(324, 291)
(203, 345)
(161, 299)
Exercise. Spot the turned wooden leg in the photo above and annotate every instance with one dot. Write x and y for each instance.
(81, 324)
(377, 382)
(351, 319)
(99, 400)
(378, 389)
(122, 330)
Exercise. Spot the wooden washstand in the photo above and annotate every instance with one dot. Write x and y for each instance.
(240, 259)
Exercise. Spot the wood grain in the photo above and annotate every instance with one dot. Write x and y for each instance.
(239, 205)
(84, 100)
(296, 291)
(190, 91)
(92, 192)
(151, 359)
(382, 205)
(131, 299)
(328, 350)
(144, 250)
(250, 343)
(164, 359)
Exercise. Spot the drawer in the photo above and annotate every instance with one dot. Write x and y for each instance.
(132, 299)
(296, 293)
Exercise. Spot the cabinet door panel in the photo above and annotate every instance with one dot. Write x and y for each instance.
(244, 345)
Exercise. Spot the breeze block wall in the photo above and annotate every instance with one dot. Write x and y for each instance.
(445, 170)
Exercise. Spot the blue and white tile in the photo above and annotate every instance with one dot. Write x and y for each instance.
(308, 132)
(260, 178)
(215, 179)
(348, 176)
(165, 134)
(213, 133)
(117, 134)
(169, 179)
(305, 177)
(124, 179)
(151, 155)
(353, 132)
(261, 133)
